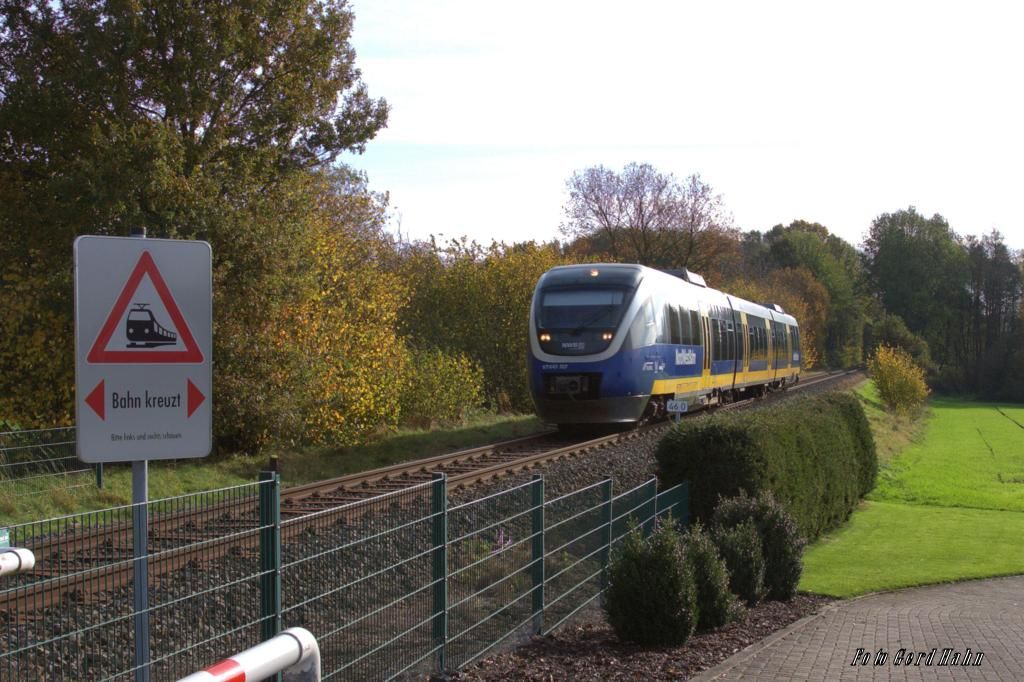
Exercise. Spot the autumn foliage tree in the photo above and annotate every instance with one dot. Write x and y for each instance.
(475, 300)
(209, 121)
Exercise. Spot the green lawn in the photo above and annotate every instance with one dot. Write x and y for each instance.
(886, 546)
(47, 497)
(972, 456)
(948, 504)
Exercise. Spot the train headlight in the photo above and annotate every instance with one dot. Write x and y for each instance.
(544, 336)
(607, 336)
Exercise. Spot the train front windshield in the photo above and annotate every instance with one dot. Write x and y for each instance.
(581, 309)
(579, 321)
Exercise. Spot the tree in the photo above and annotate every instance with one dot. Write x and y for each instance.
(919, 272)
(837, 266)
(994, 288)
(119, 114)
(475, 301)
(208, 120)
(643, 215)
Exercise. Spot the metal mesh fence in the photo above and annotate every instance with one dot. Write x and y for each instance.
(359, 577)
(490, 556)
(72, 617)
(396, 586)
(574, 537)
(34, 461)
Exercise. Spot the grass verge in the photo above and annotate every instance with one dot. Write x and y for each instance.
(948, 504)
(49, 497)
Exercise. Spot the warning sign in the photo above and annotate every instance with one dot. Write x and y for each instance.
(143, 336)
(127, 331)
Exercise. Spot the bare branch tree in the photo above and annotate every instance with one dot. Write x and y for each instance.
(646, 216)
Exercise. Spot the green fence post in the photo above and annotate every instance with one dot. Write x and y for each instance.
(606, 531)
(537, 516)
(650, 506)
(439, 517)
(270, 554)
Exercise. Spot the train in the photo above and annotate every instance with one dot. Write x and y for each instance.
(619, 344)
(143, 331)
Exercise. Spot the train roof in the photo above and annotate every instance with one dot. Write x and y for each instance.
(620, 274)
(631, 274)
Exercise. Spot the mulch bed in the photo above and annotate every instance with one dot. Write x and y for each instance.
(591, 651)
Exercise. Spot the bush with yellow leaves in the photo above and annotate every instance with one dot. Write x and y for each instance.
(475, 301)
(440, 388)
(900, 382)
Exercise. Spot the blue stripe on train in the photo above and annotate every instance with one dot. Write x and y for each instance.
(630, 372)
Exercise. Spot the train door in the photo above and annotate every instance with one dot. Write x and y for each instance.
(789, 346)
(707, 348)
(745, 366)
(735, 342)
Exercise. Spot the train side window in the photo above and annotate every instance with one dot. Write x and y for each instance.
(694, 328)
(672, 315)
(643, 331)
(661, 322)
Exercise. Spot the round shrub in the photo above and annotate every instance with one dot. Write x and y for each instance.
(742, 551)
(651, 598)
(782, 545)
(716, 604)
(899, 380)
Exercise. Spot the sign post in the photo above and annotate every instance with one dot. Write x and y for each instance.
(143, 377)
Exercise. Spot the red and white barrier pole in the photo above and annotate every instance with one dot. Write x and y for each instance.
(294, 652)
(16, 559)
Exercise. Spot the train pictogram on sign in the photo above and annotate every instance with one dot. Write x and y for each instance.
(143, 331)
(148, 341)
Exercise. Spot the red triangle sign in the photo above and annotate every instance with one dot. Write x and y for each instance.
(99, 354)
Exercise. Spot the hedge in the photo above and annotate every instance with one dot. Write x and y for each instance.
(816, 454)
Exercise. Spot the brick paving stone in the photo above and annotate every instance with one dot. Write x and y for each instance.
(977, 617)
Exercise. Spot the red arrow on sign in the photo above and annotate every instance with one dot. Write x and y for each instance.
(195, 398)
(96, 402)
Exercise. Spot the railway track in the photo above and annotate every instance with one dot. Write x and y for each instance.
(85, 563)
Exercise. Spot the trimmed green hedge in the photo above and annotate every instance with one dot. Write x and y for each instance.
(816, 454)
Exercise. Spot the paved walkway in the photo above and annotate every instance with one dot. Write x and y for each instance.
(982, 619)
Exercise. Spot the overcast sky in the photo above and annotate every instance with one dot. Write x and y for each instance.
(789, 110)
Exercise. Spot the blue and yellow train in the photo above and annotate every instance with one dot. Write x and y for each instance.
(615, 343)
